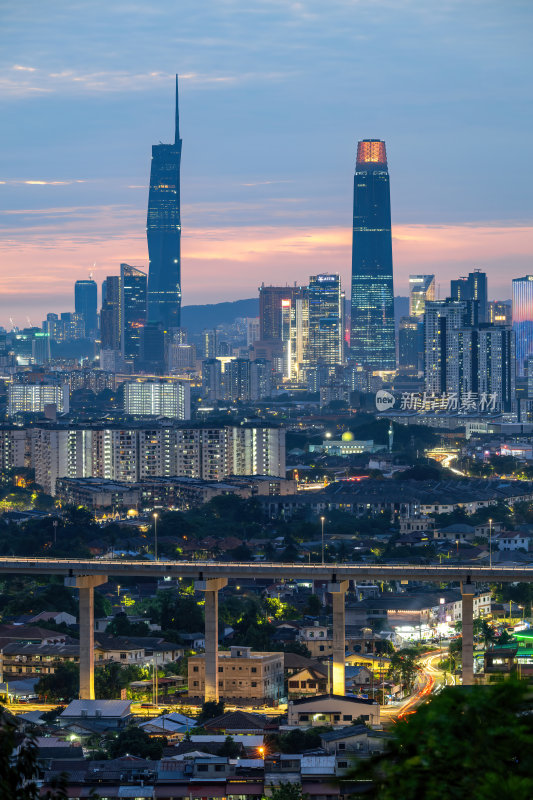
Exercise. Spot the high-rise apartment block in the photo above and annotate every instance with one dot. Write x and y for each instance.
(468, 360)
(523, 321)
(164, 232)
(472, 290)
(499, 313)
(13, 448)
(408, 346)
(372, 303)
(134, 454)
(31, 398)
(170, 399)
(421, 291)
(110, 314)
(209, 343)
(441, 318)
(295, 334)
(270, 304)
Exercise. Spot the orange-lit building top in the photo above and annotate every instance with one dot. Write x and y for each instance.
(371, 151)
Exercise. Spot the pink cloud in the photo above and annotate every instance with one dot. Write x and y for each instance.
(42, 259)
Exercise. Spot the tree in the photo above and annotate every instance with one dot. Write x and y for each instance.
(230, 748)
(313, 605)
(470, 742)
(19, 768)
(288, 791)
(404, 666)
(136, 742)
(120, 625)
(210, 710)
(62, 685)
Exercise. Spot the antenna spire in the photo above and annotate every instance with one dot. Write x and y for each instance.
(177, 132)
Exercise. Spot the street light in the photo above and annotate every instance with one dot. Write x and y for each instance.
(490, 542)
(155, 535)
(322, 520)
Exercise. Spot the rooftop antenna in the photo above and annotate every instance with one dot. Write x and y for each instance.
(177, 123)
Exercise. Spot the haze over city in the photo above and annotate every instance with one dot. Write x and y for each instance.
(274, 97)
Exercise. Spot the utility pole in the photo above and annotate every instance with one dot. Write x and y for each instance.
(155, 535)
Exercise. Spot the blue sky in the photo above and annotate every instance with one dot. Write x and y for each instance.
(274, 97)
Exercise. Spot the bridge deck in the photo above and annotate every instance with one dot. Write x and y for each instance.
(201, 570)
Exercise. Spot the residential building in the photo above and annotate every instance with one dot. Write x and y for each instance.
(242, 675)
(98, 714)
(335, 710)
(473, 291)
(110, 314)
(170, 399)
(32, 398)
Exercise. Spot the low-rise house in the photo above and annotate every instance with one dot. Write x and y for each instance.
(33, 660)
(512, 540)
(97, 715)
(308, 682)
(318, 640)
(354, 739)
(238, 721)
(56, 617)
(135, 649)
(332, 709)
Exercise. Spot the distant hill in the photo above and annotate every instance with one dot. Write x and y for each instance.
(196, 318)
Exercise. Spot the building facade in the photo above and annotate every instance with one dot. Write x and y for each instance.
(86, 304)
(158, 399)
(372, 303)
(522, 299)
(242, 675)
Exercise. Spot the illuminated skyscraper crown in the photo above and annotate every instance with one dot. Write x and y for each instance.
(371, 151)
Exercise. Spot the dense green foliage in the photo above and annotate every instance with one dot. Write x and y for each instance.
(19, 768)
(134, 741)
(297, 740)
(468, 742)
(287, 791)
(404, 667)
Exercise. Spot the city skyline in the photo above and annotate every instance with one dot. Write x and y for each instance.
(257, 201)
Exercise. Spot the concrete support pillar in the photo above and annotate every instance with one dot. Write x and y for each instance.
(467, 591)
(338, 591)
(85, 584)
(211, 588)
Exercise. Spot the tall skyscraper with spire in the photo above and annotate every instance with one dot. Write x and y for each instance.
(372, 306)
(163, 230)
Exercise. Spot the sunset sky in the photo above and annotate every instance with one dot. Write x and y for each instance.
(274, 96)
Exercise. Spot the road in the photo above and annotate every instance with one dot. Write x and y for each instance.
(431, 681)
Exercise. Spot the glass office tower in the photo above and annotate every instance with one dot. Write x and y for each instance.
(163, 229)
(372, 307)
(523, 321)
(86, 303)
(325, 327)
(132, 310)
